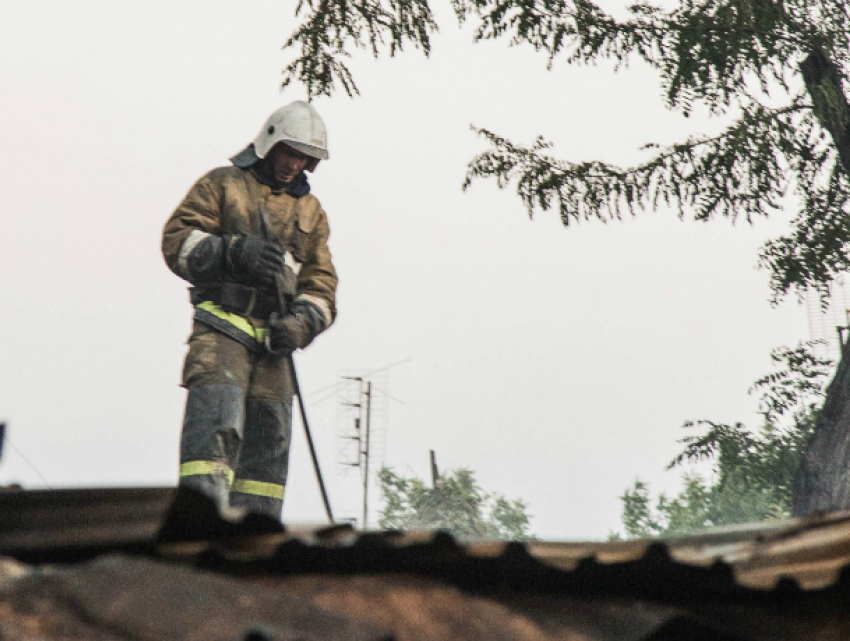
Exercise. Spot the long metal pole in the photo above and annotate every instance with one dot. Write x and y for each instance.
(281, 301)
(366, 456)
(310, 439)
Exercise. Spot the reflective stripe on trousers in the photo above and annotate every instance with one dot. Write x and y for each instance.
(264, 457)
(216, 468)
(234, 450)
(258, 488)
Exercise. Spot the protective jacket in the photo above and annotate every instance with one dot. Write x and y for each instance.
(231, 200)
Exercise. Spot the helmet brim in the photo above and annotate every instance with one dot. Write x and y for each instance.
(314, 152)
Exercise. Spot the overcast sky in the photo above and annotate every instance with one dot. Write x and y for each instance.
(558, 364)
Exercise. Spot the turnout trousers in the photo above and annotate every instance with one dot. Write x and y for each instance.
(238, 423)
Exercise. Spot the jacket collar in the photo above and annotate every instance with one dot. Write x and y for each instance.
(263, 173)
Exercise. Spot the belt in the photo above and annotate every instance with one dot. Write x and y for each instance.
(256, 302)
(236, 327)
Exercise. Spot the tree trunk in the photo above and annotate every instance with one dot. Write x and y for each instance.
(823, 480)
(823, 82)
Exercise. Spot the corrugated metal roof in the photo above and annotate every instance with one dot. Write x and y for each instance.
(68, 524)
(83, 521)
(776, 580)
(810, 551)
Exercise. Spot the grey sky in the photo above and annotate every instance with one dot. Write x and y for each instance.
(556, 363)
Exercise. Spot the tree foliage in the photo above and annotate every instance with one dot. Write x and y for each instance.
(331, 27)
(753, 472)
(776, 70)
(739, 58)
(457, 504)
(744, 59)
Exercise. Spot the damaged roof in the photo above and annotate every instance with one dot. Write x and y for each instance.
(782, 580)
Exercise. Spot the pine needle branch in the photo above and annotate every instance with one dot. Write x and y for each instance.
(331, 29)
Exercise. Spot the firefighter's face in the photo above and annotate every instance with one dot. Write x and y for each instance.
(287, 162)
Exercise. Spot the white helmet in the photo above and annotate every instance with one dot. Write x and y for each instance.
(297, 124)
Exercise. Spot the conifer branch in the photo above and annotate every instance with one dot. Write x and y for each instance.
(332, 27)
(744, 172)
(709, 50)
(740, 172)
(817, 249)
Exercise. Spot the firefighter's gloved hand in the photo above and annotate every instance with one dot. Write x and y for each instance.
(296, 330)
(288, 333)
(253, 260)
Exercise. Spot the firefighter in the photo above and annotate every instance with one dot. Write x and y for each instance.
(253, 243)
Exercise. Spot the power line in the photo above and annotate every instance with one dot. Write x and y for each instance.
(324, 398)
(365, 375)
(21, 454)
(390, 366)
(322, 389)
(388, 395)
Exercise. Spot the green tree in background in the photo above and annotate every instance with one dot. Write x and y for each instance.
(457, 505)
(753, 472)
(775, 70)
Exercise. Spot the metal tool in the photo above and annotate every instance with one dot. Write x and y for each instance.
(282, 305)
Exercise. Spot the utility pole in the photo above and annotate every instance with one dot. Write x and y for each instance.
(361, 437)
(435, 474)
(361, 433)
(365, 455)
(357, 434)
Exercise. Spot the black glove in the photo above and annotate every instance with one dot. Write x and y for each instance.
(294, 331)
(252, 260)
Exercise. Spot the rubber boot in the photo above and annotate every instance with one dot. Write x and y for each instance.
(264, 458)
